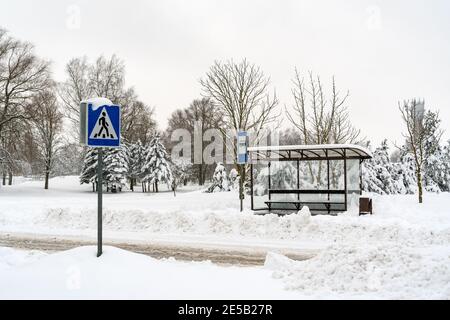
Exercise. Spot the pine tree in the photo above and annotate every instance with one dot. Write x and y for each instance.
(116, 168)
(283, 175)
(379, 174)
(446, 167)
(89, 170)
(220, 181)
(435, 168)
(156, 168)
(135, 161)
(234, 177)
(180, 172)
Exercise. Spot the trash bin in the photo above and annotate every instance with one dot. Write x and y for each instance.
(365, 206)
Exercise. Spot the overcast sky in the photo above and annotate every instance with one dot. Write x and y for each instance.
(381, 51)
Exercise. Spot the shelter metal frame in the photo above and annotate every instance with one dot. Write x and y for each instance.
(308, 153)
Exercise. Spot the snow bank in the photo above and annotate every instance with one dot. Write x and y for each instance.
(11, 257)
(301, 226)
(119, 274)
(370, 272)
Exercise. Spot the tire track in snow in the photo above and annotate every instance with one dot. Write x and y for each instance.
(245, 256)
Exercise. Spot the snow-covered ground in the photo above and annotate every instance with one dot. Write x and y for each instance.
(119, 274)
(402, 251)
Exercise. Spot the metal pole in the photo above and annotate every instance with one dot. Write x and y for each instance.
(241, 186)
(345, 178)
(99, 201)
(298, 180)
(269, 182)
(251, 185)
(328, 178)
(360, 177)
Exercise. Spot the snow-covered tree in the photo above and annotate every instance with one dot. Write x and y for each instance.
(136, 157)
(382, 176)
(436, 172)
(233, 177)
(405, 174)
(422, 136)
(220, 181)
(446, 167)
(115, 168)
(89, 170)
(156, 168)
(283, 175)
(180, 172)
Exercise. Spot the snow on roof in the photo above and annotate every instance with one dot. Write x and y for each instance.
(313, 151)
(98, 102)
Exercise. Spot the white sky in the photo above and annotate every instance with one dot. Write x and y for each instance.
(382, 51)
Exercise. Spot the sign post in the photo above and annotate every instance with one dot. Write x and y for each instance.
(100, 128)
(242, 159)
(100, 202)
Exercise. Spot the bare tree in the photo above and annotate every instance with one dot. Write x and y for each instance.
(241, 92)
(22, 75)
(76, 88)
(422, 130)
(47, 121)
(201, 114)
(320, 120)
(138, 122)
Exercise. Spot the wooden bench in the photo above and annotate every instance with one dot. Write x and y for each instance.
(298, 204)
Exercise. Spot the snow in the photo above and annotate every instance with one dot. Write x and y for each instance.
(400, 252)
(119, 274)
(98, 102)
(363, 150)
(369, 272)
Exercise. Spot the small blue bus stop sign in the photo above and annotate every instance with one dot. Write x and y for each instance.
(242, 141)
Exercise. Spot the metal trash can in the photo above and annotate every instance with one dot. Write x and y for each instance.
(365, 206)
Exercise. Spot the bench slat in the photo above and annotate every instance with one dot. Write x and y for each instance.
(305, 202)
(300, 191)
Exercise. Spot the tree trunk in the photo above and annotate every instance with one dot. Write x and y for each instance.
(200, 175)
(419, 184)
(46, 180)
(156, 187)
(93, 187)
(4, 178)
(10, 178)
(131, 184)
(241, 171)
(47, 174)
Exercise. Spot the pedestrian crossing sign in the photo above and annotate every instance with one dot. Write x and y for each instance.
(103, 125)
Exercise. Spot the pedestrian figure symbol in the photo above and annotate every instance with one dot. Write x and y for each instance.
(103, 128)
(102, 122)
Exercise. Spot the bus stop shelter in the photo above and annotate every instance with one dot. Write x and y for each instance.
(326, 178)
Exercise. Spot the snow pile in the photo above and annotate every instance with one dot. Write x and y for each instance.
(11, 257)
(221, 222)
(208, 222)
(371, 271)
(119, 274)
(304, 215)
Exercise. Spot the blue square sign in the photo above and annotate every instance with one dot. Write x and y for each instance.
(103, 126)
(242, 141)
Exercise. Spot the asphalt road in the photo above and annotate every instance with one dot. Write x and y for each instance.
(243, 256)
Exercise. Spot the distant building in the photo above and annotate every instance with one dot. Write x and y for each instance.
(420, 109)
